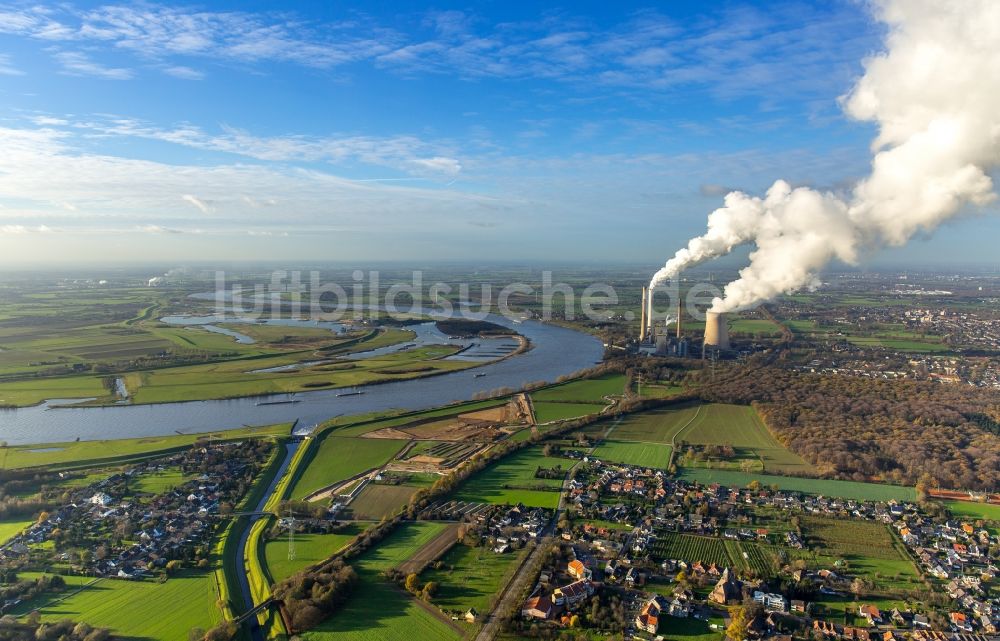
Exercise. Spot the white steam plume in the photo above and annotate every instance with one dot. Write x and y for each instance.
(935, 95)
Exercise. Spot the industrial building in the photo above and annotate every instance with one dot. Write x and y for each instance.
(657, 341)
(660, 343)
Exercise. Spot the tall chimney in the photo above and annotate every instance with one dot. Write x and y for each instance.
(680, 315)
(642, 317)
(649, 315)
(716, 330)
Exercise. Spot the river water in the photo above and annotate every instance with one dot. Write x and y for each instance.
(556, 351)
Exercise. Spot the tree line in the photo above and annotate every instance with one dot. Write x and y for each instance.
(898, 431)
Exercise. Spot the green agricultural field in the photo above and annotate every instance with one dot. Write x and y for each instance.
(405, 541)
(512, 480)
(11, 527)
(81, 453)
(309, 550)
(653, 426)
(644, 454)
(691, 548)
(358, 425)
(743, 555)
(240, 378)
(588, 390)
(137, 609)
(834, 488)
(378, 501)
(901, 345)
(840, 489)
(754, 326)
(470, 577)
(378, 611)
(35, 390)
(970, 510)
(339, 458)
(545, 412)
(659, 390)
(741, 427)
(868, 547)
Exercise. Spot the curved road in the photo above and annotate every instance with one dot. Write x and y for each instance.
(256, 634)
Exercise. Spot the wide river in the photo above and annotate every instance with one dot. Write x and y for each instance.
(555, 351)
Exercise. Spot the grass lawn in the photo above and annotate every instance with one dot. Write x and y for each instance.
(160, 481)
(138, 609)
(339, 458)
(689, 629)
(512, 480)
(644, 454)
(378, 611)
(836, 608)
(80, 453)
(969, 510)
(309, 550)
(470, 578)
(589, 390)
(11, 527)
(547, 411)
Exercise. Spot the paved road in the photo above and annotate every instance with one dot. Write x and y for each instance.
(256, 634)
(520, 581)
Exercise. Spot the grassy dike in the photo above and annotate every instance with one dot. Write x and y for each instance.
(227, 543)
(258, 574)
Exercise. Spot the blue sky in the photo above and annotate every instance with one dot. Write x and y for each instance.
(598, 131)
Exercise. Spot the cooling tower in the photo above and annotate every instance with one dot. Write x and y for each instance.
(716, 330)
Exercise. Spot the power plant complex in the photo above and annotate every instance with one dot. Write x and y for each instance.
(657, 341)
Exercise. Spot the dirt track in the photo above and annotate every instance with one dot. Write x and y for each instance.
(432, 551)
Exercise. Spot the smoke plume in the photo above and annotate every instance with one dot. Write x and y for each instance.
(935, 96)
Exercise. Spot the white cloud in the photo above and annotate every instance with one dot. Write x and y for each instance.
(439, 164)
(123, 195)
(7, 67)
(742, 51)
(17, 230)
(77, 63)
(197, 203)
(49, 121)
(403, 152)
(184, 73)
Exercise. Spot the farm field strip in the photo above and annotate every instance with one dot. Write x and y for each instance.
(136, 608)
(656, 455)
(592, 390)
(379, 611)
(840, 489)
(512, 480)
(338, 458)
